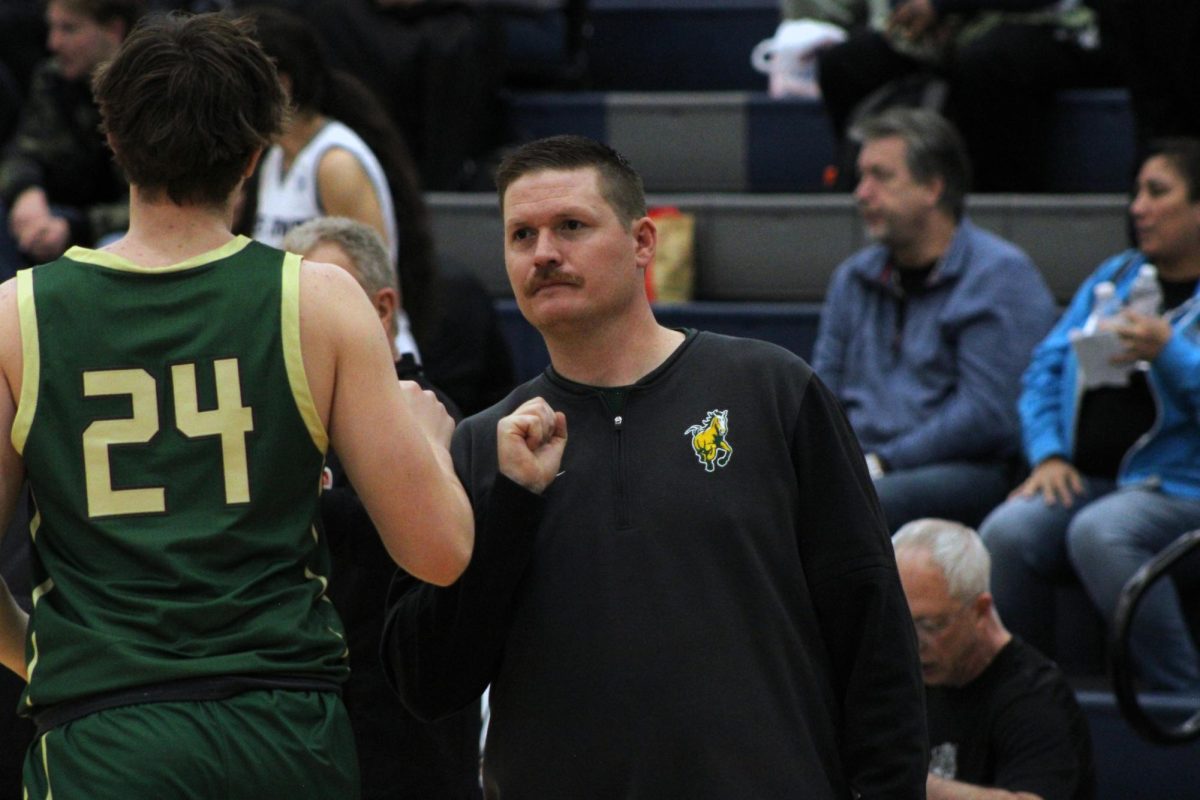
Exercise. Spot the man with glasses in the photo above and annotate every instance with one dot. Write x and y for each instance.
(1003, 722)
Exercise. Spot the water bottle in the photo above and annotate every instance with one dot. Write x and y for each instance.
(1105, 306)
(1145, 296)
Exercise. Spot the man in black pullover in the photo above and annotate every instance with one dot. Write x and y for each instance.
(695, 594)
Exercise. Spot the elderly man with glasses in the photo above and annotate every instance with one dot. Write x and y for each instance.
(1003, 722)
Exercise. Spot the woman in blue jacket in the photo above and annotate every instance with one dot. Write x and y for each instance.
(1115, 470)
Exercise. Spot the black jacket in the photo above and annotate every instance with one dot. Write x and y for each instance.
(671, 620)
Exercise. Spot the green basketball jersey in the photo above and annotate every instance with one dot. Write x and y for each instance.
(175, 453)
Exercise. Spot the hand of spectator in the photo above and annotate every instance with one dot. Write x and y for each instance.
(50, 240)
(913, 18)
(530, 443)
(429, 413)
(1143, 336)
(1055, 479)
(29, 212)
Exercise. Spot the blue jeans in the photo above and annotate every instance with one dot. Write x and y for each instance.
(1106, 535)
(963, 491)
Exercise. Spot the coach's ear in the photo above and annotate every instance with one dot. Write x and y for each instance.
(645, 240)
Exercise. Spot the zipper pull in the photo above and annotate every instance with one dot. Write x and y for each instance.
(618, 421)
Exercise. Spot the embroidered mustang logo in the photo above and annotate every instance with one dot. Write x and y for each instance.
(708, 440)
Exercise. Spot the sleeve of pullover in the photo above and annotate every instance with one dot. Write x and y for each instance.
(442, 645)
(860, 605)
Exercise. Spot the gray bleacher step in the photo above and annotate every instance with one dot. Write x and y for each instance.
(746, 141)
(783, 248)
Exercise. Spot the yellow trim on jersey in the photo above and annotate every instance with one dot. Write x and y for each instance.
(103, 258)
(30, 667)
(36, 595)
(40, 591)
(345, 656)
(31, 357)
(35, 524)
(321, 579)
(293, 358)
(46, 767)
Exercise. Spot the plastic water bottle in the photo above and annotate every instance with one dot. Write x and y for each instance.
(1145, 296)
(1105, 306)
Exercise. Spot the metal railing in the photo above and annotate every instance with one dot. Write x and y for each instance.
(1121, 661)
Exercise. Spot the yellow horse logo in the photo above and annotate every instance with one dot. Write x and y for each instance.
(708, 440)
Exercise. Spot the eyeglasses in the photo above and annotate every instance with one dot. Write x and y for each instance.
(932, 627)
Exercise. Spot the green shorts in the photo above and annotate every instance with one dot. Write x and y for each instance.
(258, 745)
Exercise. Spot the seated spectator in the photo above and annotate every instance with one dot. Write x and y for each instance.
(1003, 61)
(1116, 469)
(59, 185)
(924, 334)
(1003, 722)
(398, 755)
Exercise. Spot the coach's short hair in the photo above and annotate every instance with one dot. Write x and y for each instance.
(620, 185)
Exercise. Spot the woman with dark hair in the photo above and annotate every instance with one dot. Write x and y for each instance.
(340, 155)
(1116, 468)
(340, 136)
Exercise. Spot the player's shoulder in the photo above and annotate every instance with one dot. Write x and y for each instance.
(328, 284)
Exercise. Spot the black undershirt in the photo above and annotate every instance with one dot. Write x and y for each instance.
(907, 280)
(1112, 419)
(912, 279)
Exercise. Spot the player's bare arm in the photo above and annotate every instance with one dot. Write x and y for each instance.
(346, 190)
(391, 442)
(13, 621)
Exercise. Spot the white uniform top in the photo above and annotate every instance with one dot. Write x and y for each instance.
(287, 199)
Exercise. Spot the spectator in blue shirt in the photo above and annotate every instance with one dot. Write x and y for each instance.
(924, 333)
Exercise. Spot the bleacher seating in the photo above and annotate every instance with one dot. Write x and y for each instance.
(1131, 768)
(783, 248)
(745, 141)
(680, 45)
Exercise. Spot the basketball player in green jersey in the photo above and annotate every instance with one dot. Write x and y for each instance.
(170, 399)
